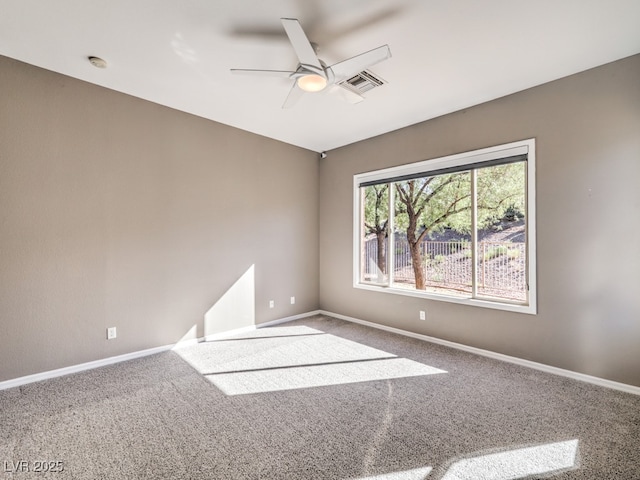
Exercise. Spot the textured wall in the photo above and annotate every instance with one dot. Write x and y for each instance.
(587, 130)
(118, 212)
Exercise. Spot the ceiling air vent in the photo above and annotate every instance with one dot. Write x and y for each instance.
(362, 82)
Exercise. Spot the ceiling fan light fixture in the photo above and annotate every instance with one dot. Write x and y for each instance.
(312, 82)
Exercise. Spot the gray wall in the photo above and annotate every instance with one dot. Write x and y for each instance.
(587, 129)
(119, 212)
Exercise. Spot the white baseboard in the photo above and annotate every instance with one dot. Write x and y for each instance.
(498, 356)
(16, 382)
(289, 319)
(59, 372)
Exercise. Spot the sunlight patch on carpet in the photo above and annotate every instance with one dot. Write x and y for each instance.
(517, 463)
(263, 353)
(292, 331)
(241, 383)
(288, 358)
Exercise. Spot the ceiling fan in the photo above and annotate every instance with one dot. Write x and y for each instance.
(312, 74)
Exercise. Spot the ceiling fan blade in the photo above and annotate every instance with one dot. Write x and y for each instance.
(349, 67)
(270, 73)
(346, 94)
(301, 44)
(294, 95)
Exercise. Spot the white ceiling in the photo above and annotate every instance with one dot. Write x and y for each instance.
(446, 54)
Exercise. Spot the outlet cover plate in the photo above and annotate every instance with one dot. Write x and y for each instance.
(111, 333)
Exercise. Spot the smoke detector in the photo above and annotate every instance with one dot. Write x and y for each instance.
(97, 62)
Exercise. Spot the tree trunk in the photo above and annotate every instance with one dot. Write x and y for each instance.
(414, 246)
(382, 264)
(417, 263)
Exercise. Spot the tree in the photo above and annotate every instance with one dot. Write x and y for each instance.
(426, 205)
(500, 189)
(429, 204)
(376, 219)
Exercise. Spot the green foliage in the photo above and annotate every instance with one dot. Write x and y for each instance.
(500, 191)
(513, 253)
(500, 250)
(513, 213)
(439, 259)
(494, 252)
(432, 203)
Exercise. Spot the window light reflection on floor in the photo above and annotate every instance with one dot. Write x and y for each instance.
(239, 383)
(276, 359)
(511, 464)
(516, 463)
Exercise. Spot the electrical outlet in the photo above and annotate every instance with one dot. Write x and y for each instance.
(272, 304)
(423, 315)
(293, 300)
(111, 333)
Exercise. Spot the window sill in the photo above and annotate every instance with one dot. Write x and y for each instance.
(474, 302)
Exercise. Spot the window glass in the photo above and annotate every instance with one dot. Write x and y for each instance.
(501, 257)
(432, 218)
(375, 233)
(453, 228)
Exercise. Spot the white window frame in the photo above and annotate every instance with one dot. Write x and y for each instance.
(467, 158)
